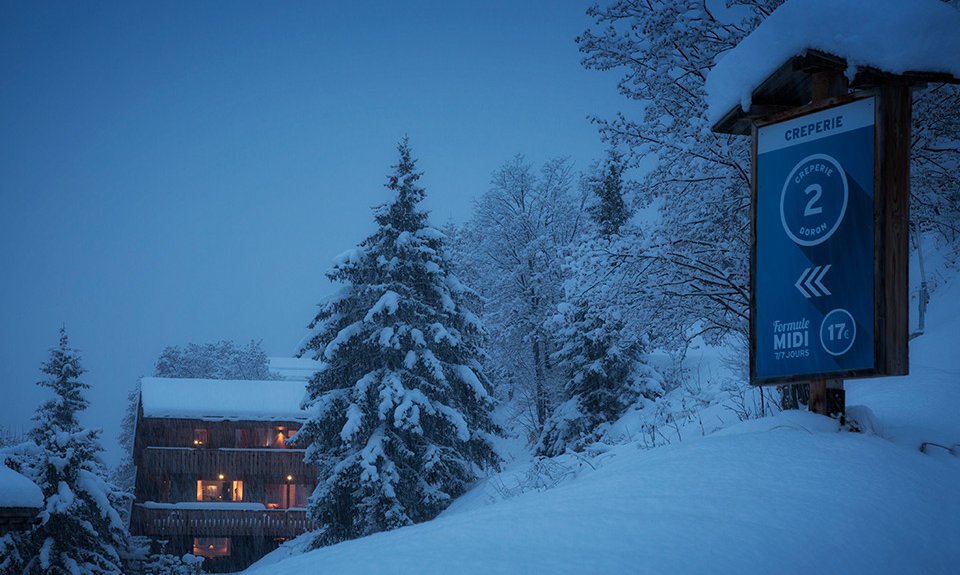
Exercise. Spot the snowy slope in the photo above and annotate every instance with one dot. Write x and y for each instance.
(786, 494)
(924, 406)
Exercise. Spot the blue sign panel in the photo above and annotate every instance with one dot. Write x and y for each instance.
(814, 260)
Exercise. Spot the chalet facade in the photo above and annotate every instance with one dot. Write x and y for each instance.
(216, 476)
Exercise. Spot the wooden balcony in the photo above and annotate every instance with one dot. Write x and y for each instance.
(199, 462)
(17, 518)
(218, 522)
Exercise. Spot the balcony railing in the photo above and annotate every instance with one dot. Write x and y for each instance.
(200, 462)
(218, 522)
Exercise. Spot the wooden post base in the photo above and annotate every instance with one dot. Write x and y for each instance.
(827, 397)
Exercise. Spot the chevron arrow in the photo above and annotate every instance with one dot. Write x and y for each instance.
(799, 284)
(810, 283)
(819, 281)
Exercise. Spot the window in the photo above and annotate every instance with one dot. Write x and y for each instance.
(219, 490)
(199, 437)
(211, 547)
(286, 495)
(264, 437)
(299, 494)
(282, 435)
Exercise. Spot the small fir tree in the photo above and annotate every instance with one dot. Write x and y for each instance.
(600, 352)
(605, 375)
(609, 211)
(399, 419)
(80, 531)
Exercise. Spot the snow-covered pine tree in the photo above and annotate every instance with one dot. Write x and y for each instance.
(80, 531)
(399, 415)
(601, 349)
(609, 211)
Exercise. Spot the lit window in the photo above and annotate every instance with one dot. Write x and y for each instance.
(264, 437)
(199, 437)
(286, 495)
(291, 431)
(211, 547)
(276, 496)
(218, 490)
(281, 435)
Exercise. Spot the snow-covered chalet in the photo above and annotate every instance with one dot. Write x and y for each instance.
(20, 501)
(215, 474)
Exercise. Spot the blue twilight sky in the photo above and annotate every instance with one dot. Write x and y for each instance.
(185, 171)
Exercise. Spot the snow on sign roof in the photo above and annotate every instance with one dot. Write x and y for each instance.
(222, 399)
(895, 36)
(18, 491)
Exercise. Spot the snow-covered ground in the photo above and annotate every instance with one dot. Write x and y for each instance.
(788, 493)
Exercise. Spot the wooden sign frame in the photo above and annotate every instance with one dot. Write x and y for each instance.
(891, 233)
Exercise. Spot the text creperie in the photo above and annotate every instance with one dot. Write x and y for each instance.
(814, 128)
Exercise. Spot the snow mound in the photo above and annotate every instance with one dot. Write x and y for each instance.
(18, 491)
(895, 36)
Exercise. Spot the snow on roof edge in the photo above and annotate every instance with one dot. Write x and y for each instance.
(895, 36)
(222, 399)
(18, 491)
(298, 368)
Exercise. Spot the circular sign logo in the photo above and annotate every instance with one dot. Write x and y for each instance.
(813, 200)
(837, 332)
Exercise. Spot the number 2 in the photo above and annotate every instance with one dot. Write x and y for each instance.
(817, 192)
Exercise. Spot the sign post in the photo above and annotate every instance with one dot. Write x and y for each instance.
(830, 194)
(830, 191)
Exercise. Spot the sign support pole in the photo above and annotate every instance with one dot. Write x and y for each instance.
(826, 396)
(894, 118)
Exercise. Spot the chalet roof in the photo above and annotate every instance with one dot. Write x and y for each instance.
(18, 491)
(881, 41)
(298, 368)
(222, 399)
